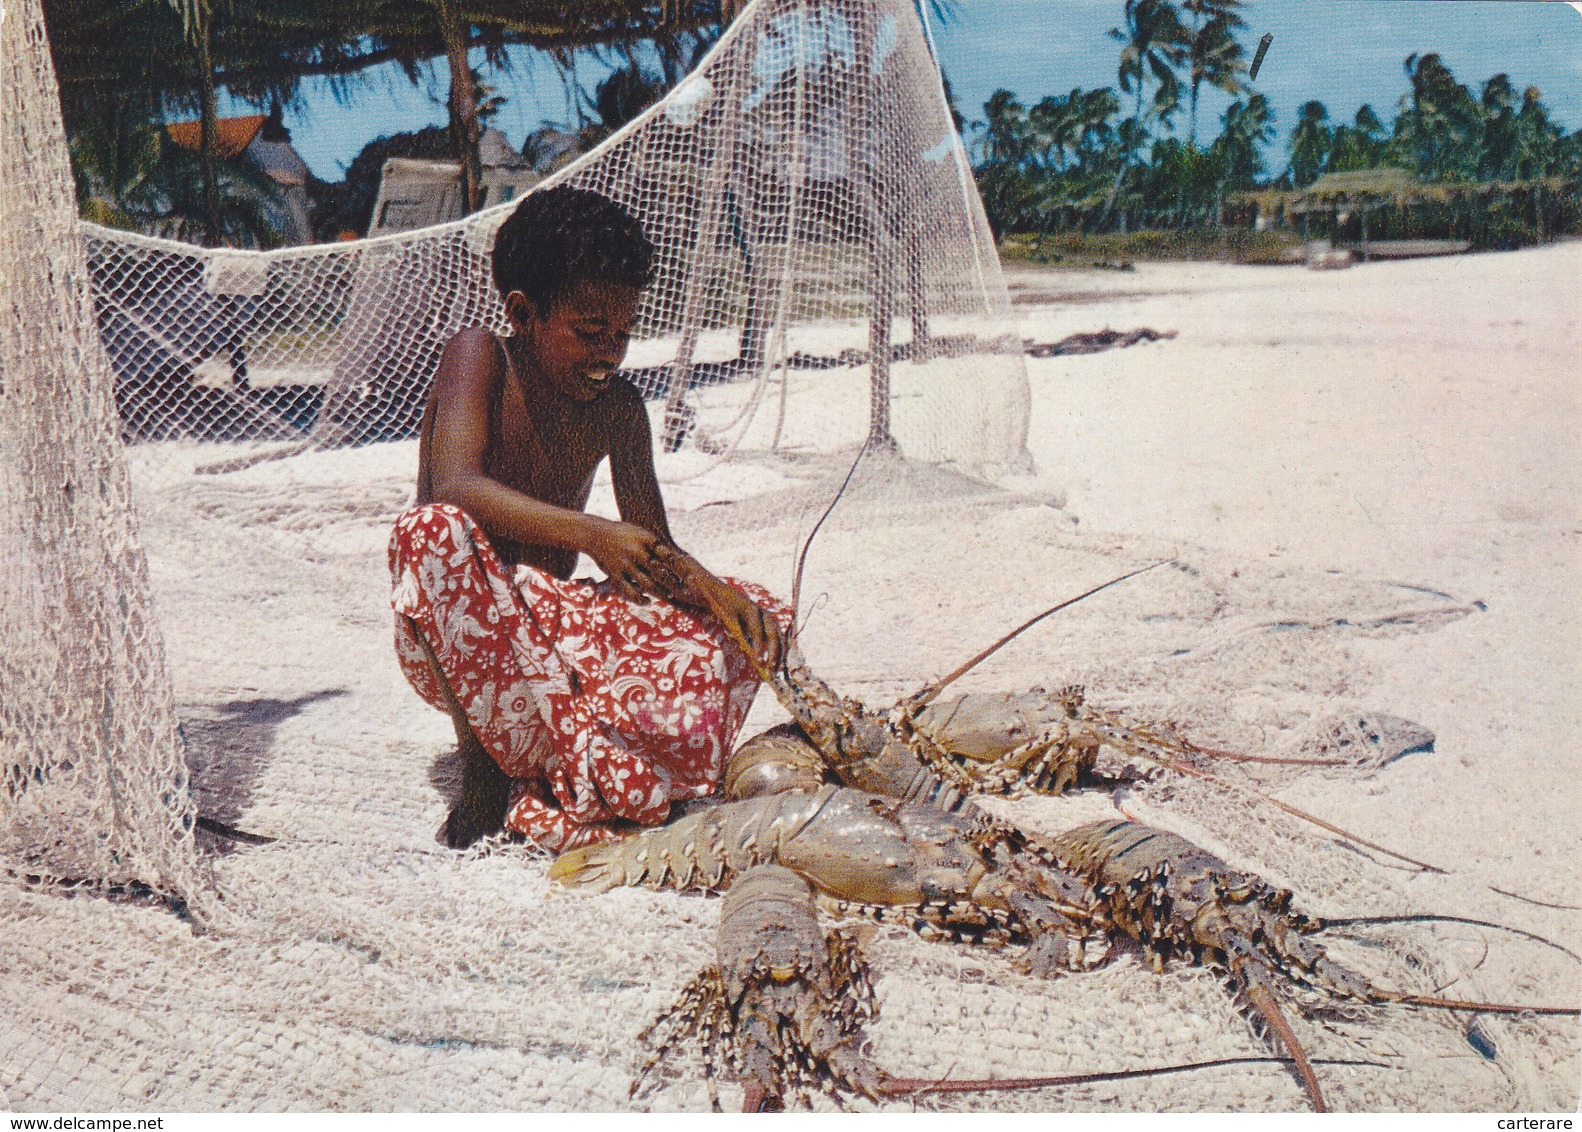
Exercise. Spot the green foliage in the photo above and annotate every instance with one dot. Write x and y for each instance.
(1311, 144)
(1214, 55)
(130, 175)
(1154, 43)
(1107, 249)
(624, 94)
(1071, 164)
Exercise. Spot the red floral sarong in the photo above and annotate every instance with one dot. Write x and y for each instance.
(599, 707)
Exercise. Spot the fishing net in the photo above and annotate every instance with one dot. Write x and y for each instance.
(93, 789)
(827, 284)
(825, 279)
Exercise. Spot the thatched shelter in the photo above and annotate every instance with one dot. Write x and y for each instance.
(1399, 205)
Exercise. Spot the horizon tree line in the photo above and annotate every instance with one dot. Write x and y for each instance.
(1080, 162)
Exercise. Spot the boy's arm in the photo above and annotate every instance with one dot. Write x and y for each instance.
(638, 497)
(463, 389)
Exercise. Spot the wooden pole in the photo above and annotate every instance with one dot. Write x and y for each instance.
(862, 170)
(696, 274)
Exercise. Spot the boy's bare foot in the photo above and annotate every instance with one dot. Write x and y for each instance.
(485, 795)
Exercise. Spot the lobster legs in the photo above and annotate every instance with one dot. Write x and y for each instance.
(1179, 900)
(783, 1009)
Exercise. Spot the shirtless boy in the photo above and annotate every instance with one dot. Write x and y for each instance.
(580, 707)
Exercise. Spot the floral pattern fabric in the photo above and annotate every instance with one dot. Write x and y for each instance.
(600, 708)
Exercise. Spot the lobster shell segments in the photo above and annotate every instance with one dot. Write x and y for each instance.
(850, 845)
(983, 726)
(775, 762)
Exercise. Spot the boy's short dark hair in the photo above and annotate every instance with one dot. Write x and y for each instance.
(560, 236)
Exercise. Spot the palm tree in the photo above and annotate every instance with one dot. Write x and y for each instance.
(197, 18)
(1006, 146)
(262, 49)
(1540, 148)
(1046, 125)
(1215, 56)
(1155, 43)
(1006, 138)
(622, 96)
(1248, 126)
(1441, 127)
(1311, 142)
(132, 175)
(1360, 145)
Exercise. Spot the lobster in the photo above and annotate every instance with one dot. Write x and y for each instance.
(783, 1009)
(1176, 899)
(1156, 889)
(939, 752)
(962, 875)
(779, 1012)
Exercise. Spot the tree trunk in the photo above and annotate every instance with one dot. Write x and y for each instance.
(208, 125)
(463, 103)
(1115, 186)
(863, 171)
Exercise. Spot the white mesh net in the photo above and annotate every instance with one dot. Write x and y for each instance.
(826, 280)
(825, 276)
(94, 787)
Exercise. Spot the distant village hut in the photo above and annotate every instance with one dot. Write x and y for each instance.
(263, 141)
(1388, 213)
(416, 194)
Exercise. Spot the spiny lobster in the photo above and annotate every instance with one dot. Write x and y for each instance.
(974, 744)
(960, 876)
(944, 752)
(1179, 900)
(967, 877)
(783, 1009)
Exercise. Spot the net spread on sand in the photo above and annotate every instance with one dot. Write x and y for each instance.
(826, 279)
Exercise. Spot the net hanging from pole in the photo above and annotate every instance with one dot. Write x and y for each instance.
(93, 785)
(826, 279)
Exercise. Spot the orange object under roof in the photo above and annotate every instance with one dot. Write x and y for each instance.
(232, 135)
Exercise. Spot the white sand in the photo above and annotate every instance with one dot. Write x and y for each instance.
(1370, 479)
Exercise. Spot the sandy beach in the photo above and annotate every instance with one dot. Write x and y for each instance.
(1369, 483)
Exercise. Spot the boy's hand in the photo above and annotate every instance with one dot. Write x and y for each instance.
(634, 560)
(747, 622)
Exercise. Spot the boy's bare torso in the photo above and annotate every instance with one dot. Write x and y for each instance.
(550, 451)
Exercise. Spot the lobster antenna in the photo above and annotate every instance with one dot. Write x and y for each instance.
(1268, 760)
(1194, 772)
(1264, 1002)
(911, 1086)
(928, 691)
(1487, 1007)
(801, 560)
(1531, 900)
(1429, 917)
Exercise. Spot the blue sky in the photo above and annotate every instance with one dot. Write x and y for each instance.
(1342, 52)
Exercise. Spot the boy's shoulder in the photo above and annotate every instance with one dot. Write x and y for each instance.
(623, 388)
(471, 350)
(475, 338)
(626, 411)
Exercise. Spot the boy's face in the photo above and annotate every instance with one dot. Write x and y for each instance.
(580, 343)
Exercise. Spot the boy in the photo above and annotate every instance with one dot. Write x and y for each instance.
(577, 705)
